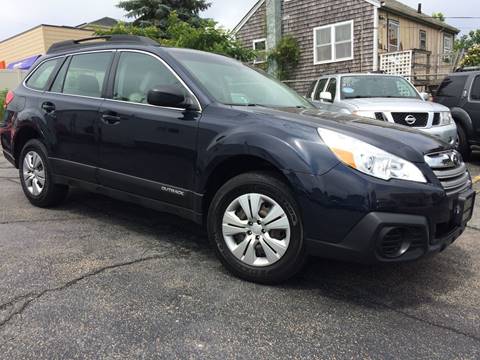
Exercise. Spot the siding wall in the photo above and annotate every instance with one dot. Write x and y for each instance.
(37, 41)
(52, 35)
(300, 17)
(409, 34)
(22, 46)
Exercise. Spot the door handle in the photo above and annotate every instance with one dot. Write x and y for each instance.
(110, 118)
(48, 107)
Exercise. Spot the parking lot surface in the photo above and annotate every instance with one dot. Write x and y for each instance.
(98, 278)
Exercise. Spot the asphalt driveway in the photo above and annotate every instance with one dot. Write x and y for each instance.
(97, 278)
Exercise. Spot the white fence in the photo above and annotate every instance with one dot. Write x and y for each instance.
(10, 79)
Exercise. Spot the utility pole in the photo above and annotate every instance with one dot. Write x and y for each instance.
(274, 29)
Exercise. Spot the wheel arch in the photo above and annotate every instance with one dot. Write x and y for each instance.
(462, 118)
(236, 165)
(22, 135)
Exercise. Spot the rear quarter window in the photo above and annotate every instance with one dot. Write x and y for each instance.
(452, 87)
(40, 77)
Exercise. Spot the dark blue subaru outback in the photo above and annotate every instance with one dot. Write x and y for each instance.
(209, 139)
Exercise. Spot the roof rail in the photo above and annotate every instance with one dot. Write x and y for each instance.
(468, 68)
(75, 44)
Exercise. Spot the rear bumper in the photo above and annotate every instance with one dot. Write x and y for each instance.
(447, 133)
(388, 237)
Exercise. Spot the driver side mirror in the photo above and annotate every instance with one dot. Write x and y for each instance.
(326, 96)
(425, 96)
(168, 96)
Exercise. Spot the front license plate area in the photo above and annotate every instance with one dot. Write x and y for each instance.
(463, 209)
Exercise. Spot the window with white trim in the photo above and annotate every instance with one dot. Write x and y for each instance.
(423, 40)
(333, 42)
(260, 46)
(393, 35)
(447, 43)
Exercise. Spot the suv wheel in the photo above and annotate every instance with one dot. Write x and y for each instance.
(463, 145)
(255, 226)
(36, 176)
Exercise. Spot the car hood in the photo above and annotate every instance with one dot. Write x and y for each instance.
(402, 141)
(394, 105)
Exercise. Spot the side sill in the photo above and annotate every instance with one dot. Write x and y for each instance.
(132, 198)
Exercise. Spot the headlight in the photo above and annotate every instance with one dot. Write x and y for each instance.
(367, 114)
(369, 159)
(445, 118)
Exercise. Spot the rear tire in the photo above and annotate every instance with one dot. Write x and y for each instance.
(264, 245)
(37, 178)
(463, 145)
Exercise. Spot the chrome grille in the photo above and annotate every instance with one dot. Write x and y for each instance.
(411, 119)
(450, 170)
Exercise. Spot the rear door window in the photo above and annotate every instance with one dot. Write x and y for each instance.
(39, 79)
(452, 87)
(87, 73)
(57, 85)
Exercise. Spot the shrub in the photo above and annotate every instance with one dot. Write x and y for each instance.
(3, 95)
(286, 55)
(472, 58)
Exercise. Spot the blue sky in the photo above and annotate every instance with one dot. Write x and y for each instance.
(15, 18)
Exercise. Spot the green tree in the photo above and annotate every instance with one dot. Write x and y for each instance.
(467, 41)
(439, 16)
(156, 12)
(205, 36)
(3, 95)
(472, 58)
(122, 28)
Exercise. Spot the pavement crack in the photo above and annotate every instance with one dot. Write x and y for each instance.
(40, 220)
(27, 299)
(371, 299)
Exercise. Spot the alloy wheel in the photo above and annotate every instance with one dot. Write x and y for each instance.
(256, 230)
(34, 173)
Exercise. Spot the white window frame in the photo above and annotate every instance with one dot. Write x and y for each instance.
(450, 37)
(420, 33)
(333, 43)
(390, 47)
(256, 41)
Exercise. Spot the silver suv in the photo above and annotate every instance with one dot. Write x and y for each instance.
(386, 98)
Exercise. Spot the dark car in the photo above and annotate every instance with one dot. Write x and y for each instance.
(460, 92)
(207, 138)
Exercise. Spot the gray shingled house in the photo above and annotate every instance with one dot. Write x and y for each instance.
(353, 36)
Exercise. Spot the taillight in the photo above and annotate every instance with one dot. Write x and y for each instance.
(8, 99)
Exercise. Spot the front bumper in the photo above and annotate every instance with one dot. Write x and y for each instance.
(388, 237)
(351, 216)
(447, 133)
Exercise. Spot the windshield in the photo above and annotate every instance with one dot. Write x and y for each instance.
(372, 86)
(232, 83)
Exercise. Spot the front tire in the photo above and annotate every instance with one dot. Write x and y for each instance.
(255, 227)
(37, 178)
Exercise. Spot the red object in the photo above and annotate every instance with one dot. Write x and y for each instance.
(9, 98)
(3, 65)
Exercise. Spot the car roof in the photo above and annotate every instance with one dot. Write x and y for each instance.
(360, 74)
(129, 42)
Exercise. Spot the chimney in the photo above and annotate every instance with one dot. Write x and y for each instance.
(420, 8)
(274, 28)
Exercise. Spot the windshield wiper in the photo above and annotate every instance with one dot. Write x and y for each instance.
(359, 97)
(250, 104)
